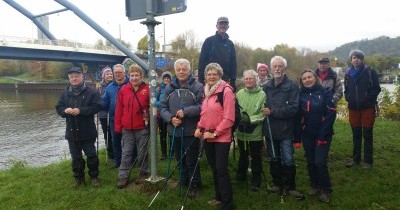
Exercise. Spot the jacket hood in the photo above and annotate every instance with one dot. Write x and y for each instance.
(175, 82)
(254, 90)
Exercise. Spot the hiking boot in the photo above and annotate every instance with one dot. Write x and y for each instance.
(193, 192)
(297, 195)
(79, 181)
(274, 189)
(325, 197)
(214, 202)
(142, 176)
(351, 163)
(123, 182)
(367, 166)
(255, 188)
(95, 181)
(313, 191)
(240, 178)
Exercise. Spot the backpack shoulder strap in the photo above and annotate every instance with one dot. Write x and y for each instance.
(220, 97)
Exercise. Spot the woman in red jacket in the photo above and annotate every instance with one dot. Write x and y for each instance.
(214, 128)
(132, 120)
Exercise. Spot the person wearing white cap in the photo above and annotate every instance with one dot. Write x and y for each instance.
(219, 49)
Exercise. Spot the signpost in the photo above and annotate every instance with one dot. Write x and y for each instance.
(139, 9)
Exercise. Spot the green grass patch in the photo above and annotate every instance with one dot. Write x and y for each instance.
(51, 187)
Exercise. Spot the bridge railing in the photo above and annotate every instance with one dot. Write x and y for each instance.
(5, 40)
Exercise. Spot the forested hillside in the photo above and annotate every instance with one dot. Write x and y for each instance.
(384, 46)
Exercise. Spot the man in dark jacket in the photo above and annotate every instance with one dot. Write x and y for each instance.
(361, 89)
(219, 49)
(180, 108)
(78, 104)
(281, 107)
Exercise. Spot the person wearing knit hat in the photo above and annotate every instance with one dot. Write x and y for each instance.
(104, 72)
(107, 77)
(166, 80)
(263, 76)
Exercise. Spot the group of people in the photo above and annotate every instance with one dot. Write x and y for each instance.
(276, 113)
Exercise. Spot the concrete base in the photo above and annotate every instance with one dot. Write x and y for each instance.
(155, 179)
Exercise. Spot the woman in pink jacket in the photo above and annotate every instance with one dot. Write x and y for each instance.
(214, 128)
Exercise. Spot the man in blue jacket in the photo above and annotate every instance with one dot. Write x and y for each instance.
(109, 100)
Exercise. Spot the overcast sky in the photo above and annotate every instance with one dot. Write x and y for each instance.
(316, 24)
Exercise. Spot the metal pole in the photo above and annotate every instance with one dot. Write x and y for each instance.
(150, 22)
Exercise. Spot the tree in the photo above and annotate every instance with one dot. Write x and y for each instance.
(143, 45)
(186, 45)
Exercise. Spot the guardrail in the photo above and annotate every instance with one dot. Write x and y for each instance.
(8, 40)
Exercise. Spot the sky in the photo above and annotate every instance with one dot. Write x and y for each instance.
(316, 24)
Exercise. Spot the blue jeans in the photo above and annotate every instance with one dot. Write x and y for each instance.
(116, 144)
(283, 151)
(282, 168)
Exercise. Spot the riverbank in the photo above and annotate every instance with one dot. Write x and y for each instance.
(50, 187)
(39, 86)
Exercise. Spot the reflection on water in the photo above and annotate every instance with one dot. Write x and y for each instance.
(30, 129)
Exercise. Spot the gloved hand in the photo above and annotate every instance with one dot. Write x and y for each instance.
(321, 142)
(297, 145)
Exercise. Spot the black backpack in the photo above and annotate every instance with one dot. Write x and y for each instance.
(220, 98)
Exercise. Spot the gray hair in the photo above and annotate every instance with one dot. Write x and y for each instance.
(214, 66)
(277, 57)
(357, 53)
(181, 61)
(118, 65)
(250, 72)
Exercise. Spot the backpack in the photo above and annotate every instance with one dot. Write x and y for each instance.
(220, 98)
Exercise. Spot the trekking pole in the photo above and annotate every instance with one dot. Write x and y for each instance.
(270, 139)
(106, 139)
(168, 176)
(97, 131)
(170, 151)
(137, 157)
(234, 145)
(195, 167)
(180, 169)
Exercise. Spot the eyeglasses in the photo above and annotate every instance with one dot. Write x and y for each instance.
(118, 72)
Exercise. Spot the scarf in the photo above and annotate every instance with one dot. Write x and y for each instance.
(210, 90)
(353, 72)
(76, 90)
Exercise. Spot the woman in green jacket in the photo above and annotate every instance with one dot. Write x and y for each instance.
(249, 133)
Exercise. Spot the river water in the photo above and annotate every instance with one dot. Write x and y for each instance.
(32, 132)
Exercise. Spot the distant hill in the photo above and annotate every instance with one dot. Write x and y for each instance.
(383, 45)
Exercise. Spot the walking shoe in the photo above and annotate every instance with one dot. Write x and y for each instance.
(123, 182)
(313, 191)
(351, 163)
(95, 181)
(274, 189)
(296, 194)
(79, 181)
(214, 202)
(325, 197)
(142, 176)
(367, 166)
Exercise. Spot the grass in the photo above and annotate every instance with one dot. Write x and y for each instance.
(50, 187)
